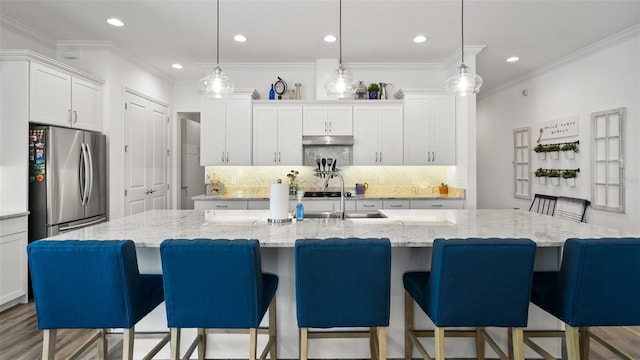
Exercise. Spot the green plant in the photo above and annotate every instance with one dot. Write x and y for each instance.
(292, 175)
(569, 147)
(553, 173)
(373, 87)
(539, 148)
(540, 173)
(552, 147)
(568, 174)
(444, 185)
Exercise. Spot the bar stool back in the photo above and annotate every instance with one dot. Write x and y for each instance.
(217, 284)
(598, 284)
(88, 284)
(472, 283)
(343, 283)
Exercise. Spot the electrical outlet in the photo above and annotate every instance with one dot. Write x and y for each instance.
(381, 179)
(234, 180)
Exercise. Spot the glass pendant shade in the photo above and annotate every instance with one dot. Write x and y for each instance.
(341, 84)
(463, 83)
(216, 84)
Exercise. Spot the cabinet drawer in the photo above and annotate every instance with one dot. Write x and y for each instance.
(320, 205)
(220, 205)
(258, 204)
(396, 204)
(13, 225)
(368, 205)
(437, 204)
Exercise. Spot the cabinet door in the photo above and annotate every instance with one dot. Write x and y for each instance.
(212, 132)
(265, 135)
(390, 149)
(13, 259)
(417, 110)
(340, 120)
(368, 206)
(86, 103)
(443, 130)
(365, 135)
(49, 96)
(290, 135)
(238, 131)
(314, 120)
(436, 204)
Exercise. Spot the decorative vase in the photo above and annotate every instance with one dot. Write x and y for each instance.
(554, 155)
(373, 95)
(542, 155)
(293, 189)
(542, 180)
(272, 93)
(361, 91)
(570, 154)
(443, 189)
(555, 181)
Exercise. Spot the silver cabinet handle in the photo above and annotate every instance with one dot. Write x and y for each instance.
(279, 156)
(223, 157)
(433, 156)
(329, 126)
(381, 157)
(69, 117)
(275, 158)
(436, 205)
(227, 156)
(368, 205)
(222, 206)
(326, 127)
(75, 116)
(428, 156)
(376, 156)
(396, 206)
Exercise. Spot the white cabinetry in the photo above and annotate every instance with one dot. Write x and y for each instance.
(59, 98)
(327, 120)
(220, 204)
(225, 129)
(277, 135)
(368, 206)
(396, 204)
(13, 261)
(437, 204)
(429, 129)
(377, 135)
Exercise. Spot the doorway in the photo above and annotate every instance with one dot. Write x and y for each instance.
(192, 173)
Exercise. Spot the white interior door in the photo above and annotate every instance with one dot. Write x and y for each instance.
(157, 156)
(192, 172)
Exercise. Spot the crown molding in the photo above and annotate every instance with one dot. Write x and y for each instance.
(111, 46)
(257, 66)
(26, 31)
(598, 46)
(453, 60)
(29, 55)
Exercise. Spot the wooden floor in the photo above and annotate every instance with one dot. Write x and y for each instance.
(21, 340)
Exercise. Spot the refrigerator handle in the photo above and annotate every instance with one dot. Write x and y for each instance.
(81, 174)
(90, 173)
(83, 181)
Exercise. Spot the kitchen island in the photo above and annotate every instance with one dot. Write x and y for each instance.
(411, 233)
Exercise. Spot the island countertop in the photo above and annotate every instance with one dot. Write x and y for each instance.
(405, 228)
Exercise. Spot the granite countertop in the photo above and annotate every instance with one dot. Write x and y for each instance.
(405, 228)
(5, 215)
(372, 196)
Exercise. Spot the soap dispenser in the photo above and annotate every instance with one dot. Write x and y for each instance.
(299, 207)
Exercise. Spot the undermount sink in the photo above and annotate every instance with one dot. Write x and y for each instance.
(335, 215)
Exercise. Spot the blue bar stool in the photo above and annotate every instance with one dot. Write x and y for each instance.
(472, 283)
(217, 284)
(88, 284)
(343, 283)
(598, 284)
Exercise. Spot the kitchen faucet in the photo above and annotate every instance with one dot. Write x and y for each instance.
(331, 174)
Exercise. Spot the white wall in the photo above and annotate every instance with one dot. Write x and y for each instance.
(603, 77)
(15, 36)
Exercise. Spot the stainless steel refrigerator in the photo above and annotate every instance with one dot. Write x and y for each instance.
(68, 180)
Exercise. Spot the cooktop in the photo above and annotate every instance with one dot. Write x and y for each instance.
(322, 194)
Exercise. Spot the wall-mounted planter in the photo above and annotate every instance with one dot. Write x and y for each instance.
(571, 154)
(542, 155)
(570, 181)
(555, 180)
(554, 155)
(542, 180)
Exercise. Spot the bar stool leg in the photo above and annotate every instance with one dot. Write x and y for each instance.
(439, 337)
(49, 344)
(373, 343)
(573, 342)
(273, 329)
(480, 343)
(382, 343)
(518, 343)
(584, 343)
(127, 343)
(303, 344)
(408, 325)
(175, 344)
(253, 348)
(102, 345)
(202, 343)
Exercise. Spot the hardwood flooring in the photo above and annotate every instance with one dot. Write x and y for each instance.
(20, 339)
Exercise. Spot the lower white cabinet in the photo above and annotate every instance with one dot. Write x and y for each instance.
(13, 262)
(368, 206)
(437, 204)
(395, 204)
(220, 204)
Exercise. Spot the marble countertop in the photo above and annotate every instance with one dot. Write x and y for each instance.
(405, 228)
(407, 196)
(5, 215)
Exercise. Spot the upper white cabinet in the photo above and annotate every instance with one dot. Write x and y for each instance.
(327, 120)
(429, 129)
(277, 135)
(225, 130)
(377, 135)
(59, 98)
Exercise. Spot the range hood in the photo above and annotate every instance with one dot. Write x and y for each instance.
(324, 140)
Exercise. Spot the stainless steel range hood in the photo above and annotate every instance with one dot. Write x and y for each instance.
(323, 140)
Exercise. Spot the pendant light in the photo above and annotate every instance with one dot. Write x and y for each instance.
(463, 83)
(215, 83)
(341, 84)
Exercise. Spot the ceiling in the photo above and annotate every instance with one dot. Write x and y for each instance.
(163, 32)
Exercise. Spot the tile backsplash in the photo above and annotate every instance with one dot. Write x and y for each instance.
(378, 177)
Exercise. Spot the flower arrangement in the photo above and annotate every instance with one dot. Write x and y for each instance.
(293, 175)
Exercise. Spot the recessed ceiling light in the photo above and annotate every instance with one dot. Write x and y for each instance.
(330, 38)
(176, 66)
(240, 38)
(419, 39)
(115, 22)
(513, 59)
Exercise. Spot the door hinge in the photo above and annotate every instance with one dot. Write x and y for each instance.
(167, 119)
(168, 152)
(126, 148)
(125, 192)
(167, 186)
(125, 106)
